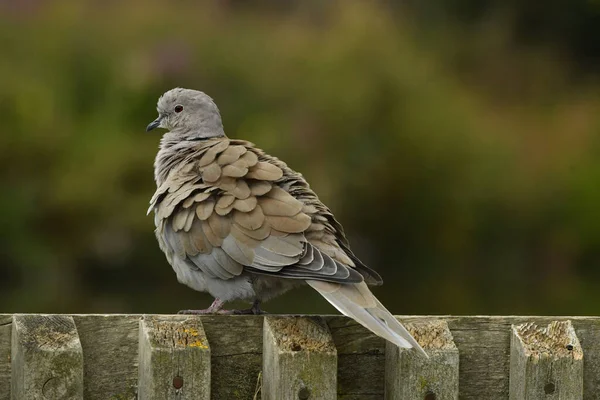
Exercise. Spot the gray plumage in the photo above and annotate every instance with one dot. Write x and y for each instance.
(240, 224)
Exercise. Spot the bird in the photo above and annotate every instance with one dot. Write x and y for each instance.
(240, 224)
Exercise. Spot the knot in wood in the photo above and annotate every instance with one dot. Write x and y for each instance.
(430, 396)
(178, 382)
(549, 388)
(304, 393)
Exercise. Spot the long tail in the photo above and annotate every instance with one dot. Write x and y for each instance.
(357, 302)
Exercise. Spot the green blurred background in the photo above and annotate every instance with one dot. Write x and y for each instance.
(457, 141)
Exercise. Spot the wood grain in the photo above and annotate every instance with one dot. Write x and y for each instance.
(545, 362)
(5, 370)
(110, 351)
(408, 375)
(110, 355)
(46, 358)
(299, 359)
(174, 359)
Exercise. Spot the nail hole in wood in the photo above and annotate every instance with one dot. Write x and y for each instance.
(178, 382)
(430, 396)
(303, 393)
(296, 347)
(549, 388)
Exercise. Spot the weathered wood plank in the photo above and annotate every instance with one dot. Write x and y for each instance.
(545, 362)
(299, 359)
(174, 359)
(236, 355)
(46, 358)
(408, 375)
(588, 333)
(110, 355)
(484, 350)
(5, 339)
(361, 360)
(110, 347)
(483, 346)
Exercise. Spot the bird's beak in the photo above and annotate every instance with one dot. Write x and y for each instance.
(154, 124)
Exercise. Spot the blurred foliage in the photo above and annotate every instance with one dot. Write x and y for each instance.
(457, 144)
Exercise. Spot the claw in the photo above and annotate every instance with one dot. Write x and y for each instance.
(254, 310)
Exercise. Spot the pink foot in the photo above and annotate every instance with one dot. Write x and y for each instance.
(215, 308)
(206, 311)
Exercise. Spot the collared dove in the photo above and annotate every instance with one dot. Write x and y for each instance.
(239, 224)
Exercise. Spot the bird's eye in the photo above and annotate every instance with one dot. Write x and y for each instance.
(178, 108)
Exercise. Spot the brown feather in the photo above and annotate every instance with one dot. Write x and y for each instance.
(179, 220)
(219, 225)
(212, 153)
(213, 238)
(265, 171)
(249, 159)
(245, 236)
(195, 199)
(189, 220)
(211, 173)
(241, 190)
(245, 205)
(309, 209)
(159, 192)
(231, 154)
(258, 188)
(234, 171)
(296, 224)
(278, 193)
(225, 201)
(258, 234)
(277, 207)
(198, 238)
(205, 208)
(250, 220)
(224, 211)
(226, 183)
(172, 200)
(317, 227)
(188, 245)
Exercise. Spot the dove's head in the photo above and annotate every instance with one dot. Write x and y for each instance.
(191, 113)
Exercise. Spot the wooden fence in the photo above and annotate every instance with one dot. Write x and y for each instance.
(305, 357)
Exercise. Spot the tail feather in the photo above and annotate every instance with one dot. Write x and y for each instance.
(357, 302)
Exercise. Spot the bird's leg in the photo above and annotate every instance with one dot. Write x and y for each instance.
(254, 310)
(215, 308)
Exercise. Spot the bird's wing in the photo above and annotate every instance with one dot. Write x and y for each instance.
(223, 211)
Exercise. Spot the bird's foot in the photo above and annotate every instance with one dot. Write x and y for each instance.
(206, 311)
(254, 310)
(215, 308)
